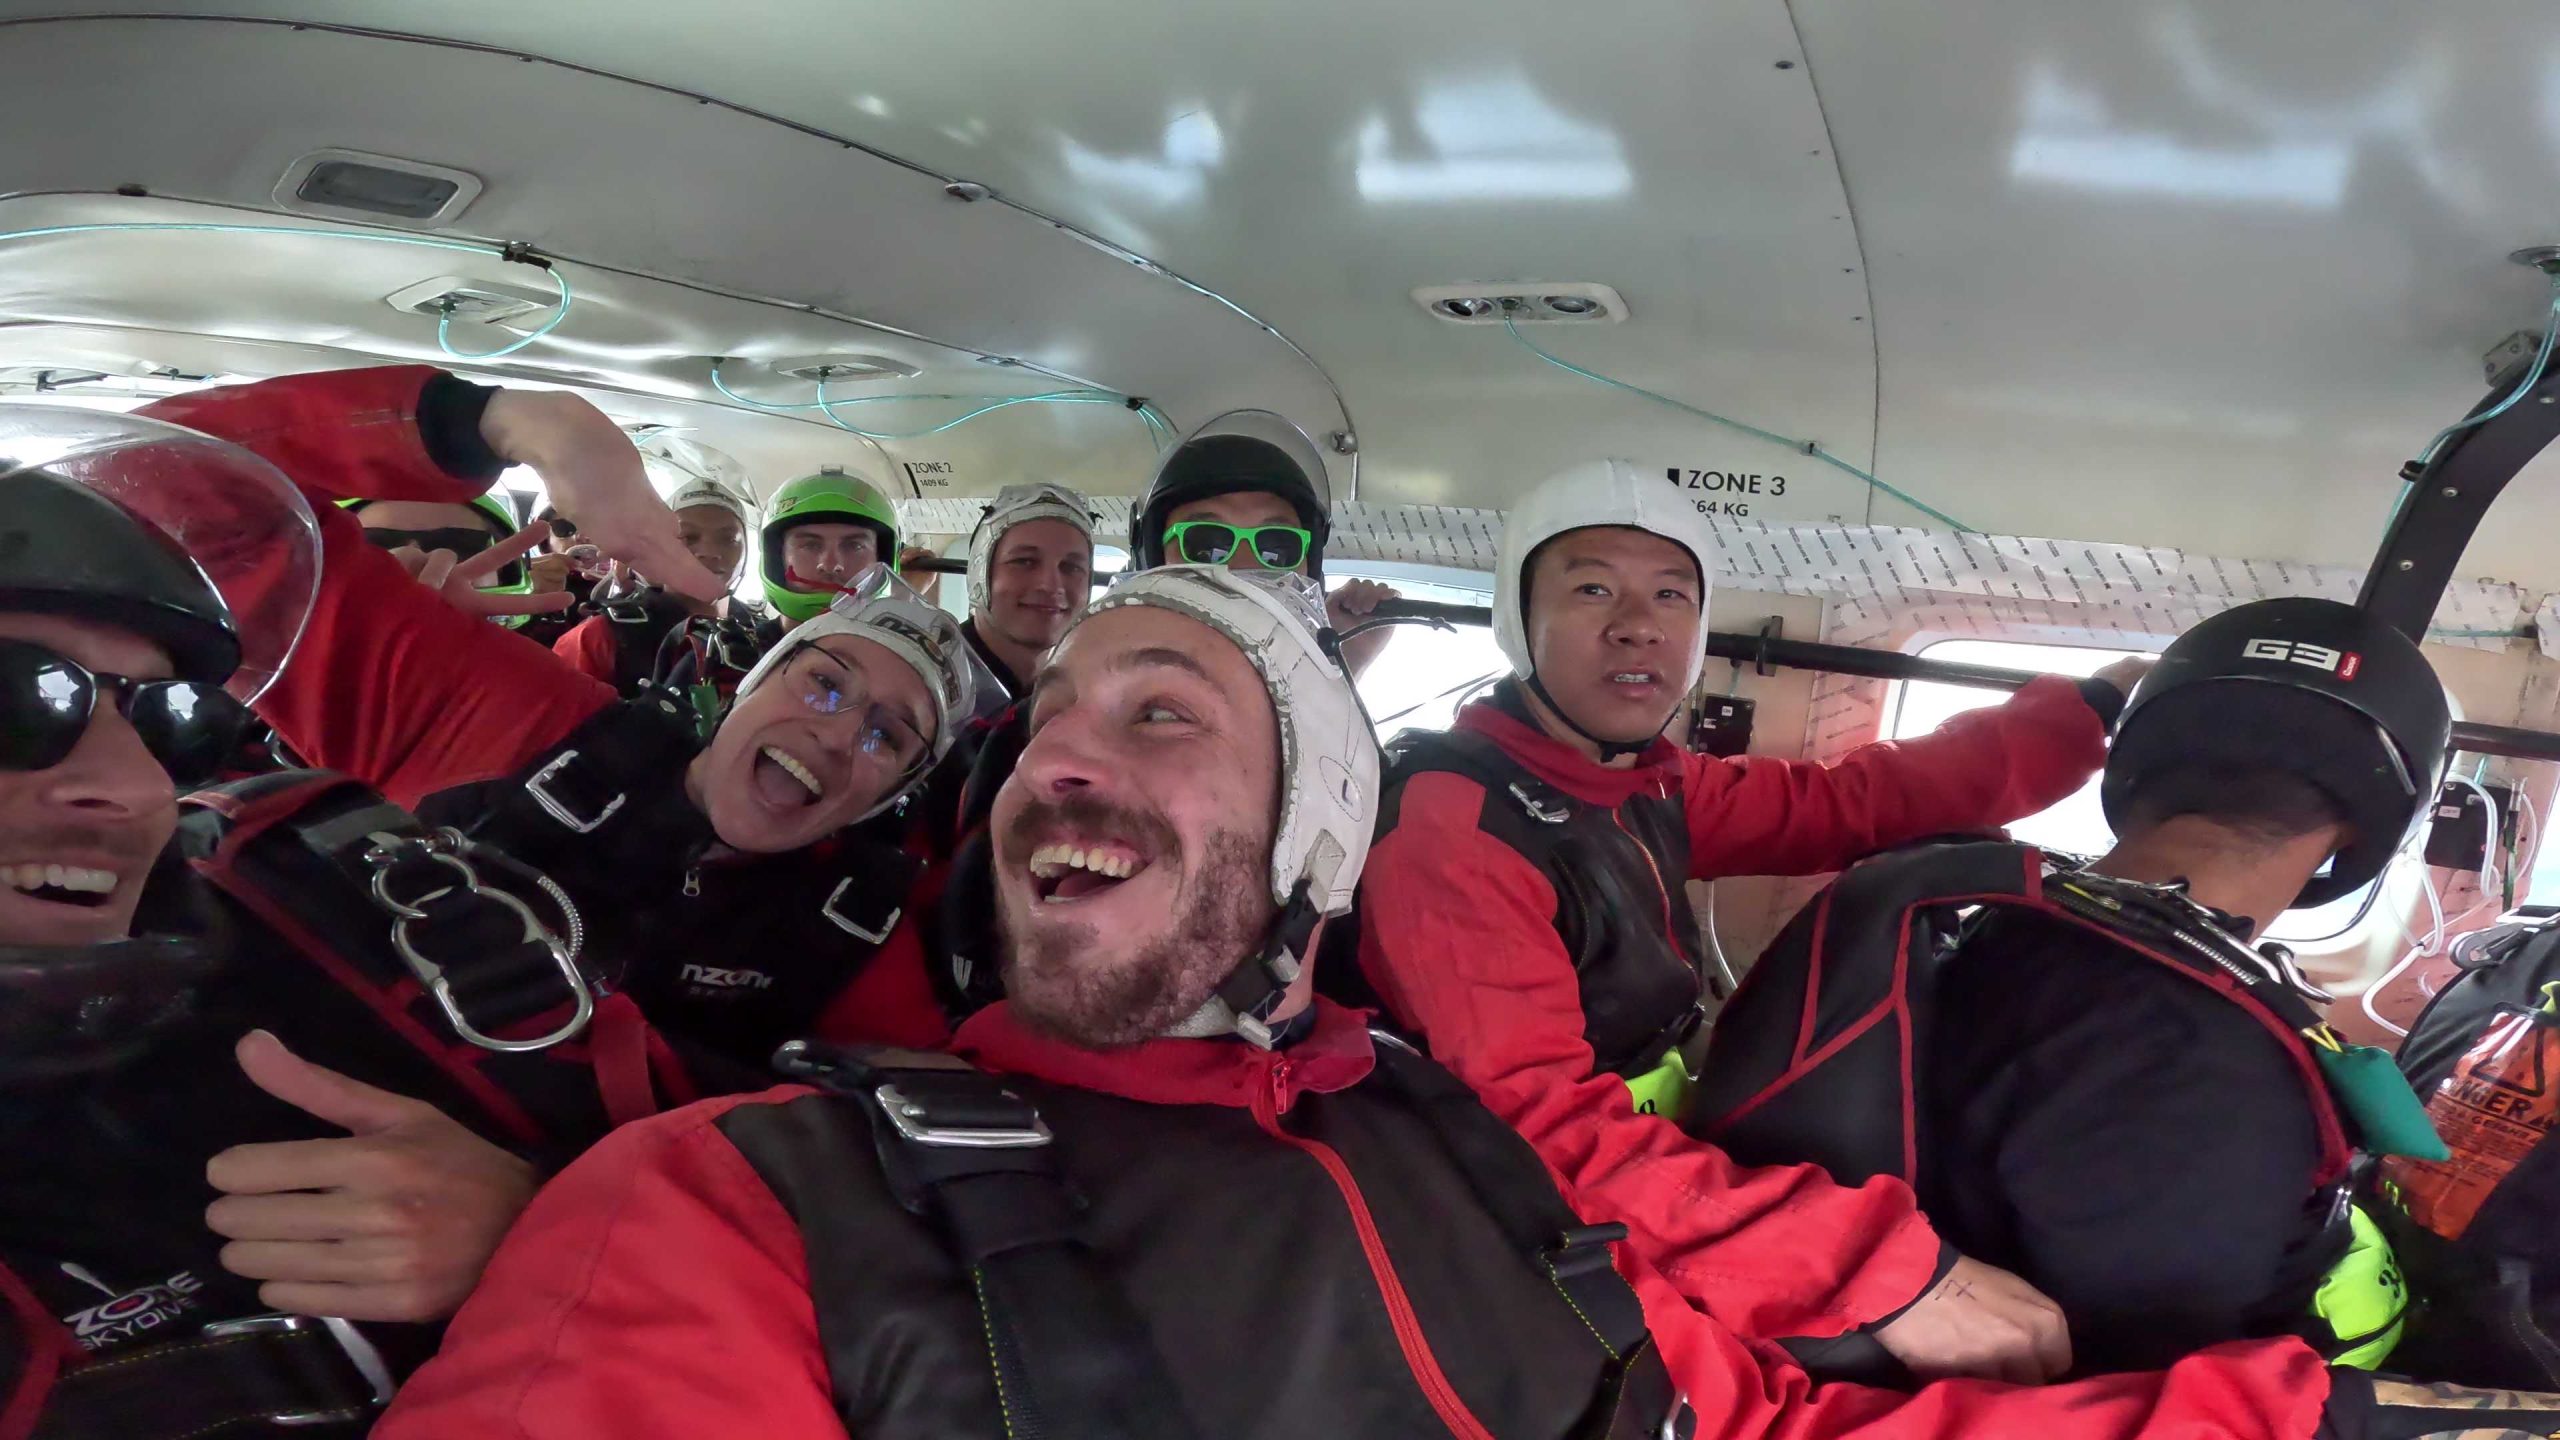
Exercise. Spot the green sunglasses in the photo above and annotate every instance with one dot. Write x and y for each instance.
(1210, 542)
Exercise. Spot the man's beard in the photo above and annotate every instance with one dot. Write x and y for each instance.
(1060, 982)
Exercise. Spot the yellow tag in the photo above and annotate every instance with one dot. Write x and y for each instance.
(1664, 1089)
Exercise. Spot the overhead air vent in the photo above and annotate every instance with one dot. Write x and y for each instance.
(1524, 302)
(351, 184)
(849, 369)
(489, 301)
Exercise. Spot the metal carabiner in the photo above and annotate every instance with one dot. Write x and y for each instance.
(446, 848)
(431, 975)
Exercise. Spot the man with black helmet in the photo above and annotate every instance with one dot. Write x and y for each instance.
(178, 1172)
(2144, 1148)
(723, 886)
(1248, 490)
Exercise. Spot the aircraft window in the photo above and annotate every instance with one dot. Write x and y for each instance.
(1425, 674)
(2077, 825)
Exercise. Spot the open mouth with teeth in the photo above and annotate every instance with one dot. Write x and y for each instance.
(79, 886)
(784, 782)
(1636, 679)
(1062, 872)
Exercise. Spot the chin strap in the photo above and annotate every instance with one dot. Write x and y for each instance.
(1249, 994)
(1609, 749)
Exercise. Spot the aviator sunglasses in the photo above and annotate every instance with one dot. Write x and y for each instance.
(47, 699)
(1210, 542)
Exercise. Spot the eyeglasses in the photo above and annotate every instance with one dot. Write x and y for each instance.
(463, 541)
(829, 686)
(1210, 542)
(47, 699)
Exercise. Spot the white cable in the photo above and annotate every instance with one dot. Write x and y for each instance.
(1725, 974)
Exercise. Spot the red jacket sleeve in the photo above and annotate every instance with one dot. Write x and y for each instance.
(1458, 935)
(389, 683)
(1762, 816)
(588, 648)
(655, 1291)
(2260, 1390)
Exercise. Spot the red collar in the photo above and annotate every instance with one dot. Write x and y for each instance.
(1335, 1055)
(1657, 771)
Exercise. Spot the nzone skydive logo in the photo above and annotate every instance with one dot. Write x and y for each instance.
(133, 1312)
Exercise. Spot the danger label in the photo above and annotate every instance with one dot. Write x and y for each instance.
(2492, 1111)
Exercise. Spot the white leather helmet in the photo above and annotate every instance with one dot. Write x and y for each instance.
(1581, 497)
(925, 636)
(1328, 762)
(703, 490)
(1014, 504)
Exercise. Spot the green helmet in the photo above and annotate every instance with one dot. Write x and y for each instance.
(831, 496)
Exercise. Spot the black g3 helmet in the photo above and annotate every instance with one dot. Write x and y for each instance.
(2309, 687)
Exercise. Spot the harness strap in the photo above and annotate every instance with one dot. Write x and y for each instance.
(1073, 1360)
(286, 1370)
(1516, 1190)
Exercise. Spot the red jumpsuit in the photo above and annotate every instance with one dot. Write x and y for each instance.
(1458, 937)
(399, 689)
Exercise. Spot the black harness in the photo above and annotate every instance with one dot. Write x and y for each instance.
(739, 955)
(1071, 1354)
(1617, 873)
(467, 961)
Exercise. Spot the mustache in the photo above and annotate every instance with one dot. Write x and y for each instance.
(87, 839)
(1082, 812)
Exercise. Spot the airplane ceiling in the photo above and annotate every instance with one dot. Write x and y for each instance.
(2157, 272)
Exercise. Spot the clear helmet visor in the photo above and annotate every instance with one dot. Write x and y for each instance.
(234, 514)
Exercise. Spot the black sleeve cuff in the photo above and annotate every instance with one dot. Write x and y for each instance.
(449, 411)
(2104, 698)
(2350, 1413)
(1947, 1258)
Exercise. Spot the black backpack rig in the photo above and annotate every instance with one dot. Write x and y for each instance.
(1816, 1058)
(2480, 1232)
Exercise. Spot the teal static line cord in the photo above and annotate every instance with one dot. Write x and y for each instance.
(1158, 428)
(2532, 377)
(512, 254)
(1801, 447)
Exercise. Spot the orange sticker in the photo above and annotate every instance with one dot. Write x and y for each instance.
(2498, 1104)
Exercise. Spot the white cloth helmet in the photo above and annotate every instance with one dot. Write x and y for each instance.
(1013, 505)
(1328, 762)
(922, 634)
(703, 490)
(1581, 497)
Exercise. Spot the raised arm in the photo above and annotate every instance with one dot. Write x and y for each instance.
(1980, 770)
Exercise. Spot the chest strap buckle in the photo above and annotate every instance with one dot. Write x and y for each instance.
(851, 926)
(539, 787)
(975, 1115)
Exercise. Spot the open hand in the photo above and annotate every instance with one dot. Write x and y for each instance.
(394, 1222)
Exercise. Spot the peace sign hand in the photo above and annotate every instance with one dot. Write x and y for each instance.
(459, 580)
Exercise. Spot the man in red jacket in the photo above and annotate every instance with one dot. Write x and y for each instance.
(1182, 1196)
(716, 877)
(1523, 917)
